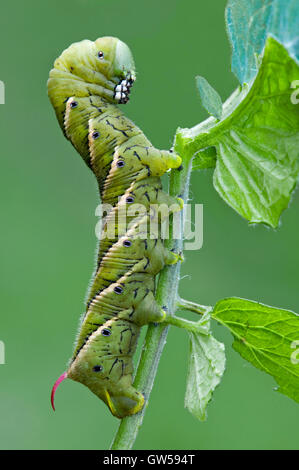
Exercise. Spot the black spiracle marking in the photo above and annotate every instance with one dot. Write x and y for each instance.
(118, 290)
(95, 135)
(106, 332)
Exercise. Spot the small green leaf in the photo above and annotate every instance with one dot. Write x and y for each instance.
(210, 99)
(204, 159)
(206, 367)
(265, 336)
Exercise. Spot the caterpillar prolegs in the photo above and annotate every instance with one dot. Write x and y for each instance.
(87, 82)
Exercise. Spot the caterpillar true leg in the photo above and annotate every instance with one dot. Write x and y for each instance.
(87, 83)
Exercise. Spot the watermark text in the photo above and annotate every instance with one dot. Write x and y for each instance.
(156, 221)
(2, 92)
(2, 352)
(295, 94)
(295, 354)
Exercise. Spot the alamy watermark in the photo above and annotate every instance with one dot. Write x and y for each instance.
(2, 352)
(2, 92)
(151, 222)
(295, 354)
(295, 94)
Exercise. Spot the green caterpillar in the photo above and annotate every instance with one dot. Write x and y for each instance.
(87, 82)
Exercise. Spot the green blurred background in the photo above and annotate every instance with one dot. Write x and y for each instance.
(48, 241)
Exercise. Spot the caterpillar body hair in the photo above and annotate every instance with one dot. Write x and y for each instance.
(87, 83)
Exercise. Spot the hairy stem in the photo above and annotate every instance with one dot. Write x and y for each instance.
(156, 335)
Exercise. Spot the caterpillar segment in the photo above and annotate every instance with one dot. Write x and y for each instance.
(85, 86)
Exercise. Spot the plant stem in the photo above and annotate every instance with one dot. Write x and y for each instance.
(193, 307)
(155, 339)
(182, 323)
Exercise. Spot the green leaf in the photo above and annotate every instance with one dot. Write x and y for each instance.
(249, 22)
(285, 25)
(209, 97)
(257, 140)
(257, 166)
(204, 159)
(206, 367)
(267, 337)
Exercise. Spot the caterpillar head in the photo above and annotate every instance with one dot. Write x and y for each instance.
(104, 67)
(117, 64)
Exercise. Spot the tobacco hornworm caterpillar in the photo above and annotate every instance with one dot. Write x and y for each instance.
(87, 82)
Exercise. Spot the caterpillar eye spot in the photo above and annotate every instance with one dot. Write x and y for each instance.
(95, 135)
(118, 290)
(97, 368)
(120, 163)
(130, 199)
(101, 55)
(74, 104)
(127, 243)
(106, 332)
